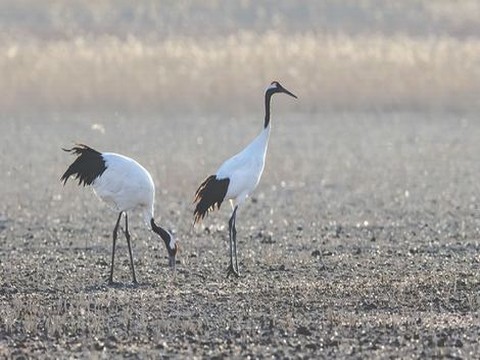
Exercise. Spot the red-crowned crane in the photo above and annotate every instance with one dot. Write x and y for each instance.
(123, 184)
(236, 179)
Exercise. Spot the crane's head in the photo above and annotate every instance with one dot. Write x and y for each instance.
(276, 87)
(169, 241)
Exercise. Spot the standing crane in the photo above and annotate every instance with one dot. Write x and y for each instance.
(237, 178)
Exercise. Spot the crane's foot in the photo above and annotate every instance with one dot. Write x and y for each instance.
(232, 271)
(113, 284)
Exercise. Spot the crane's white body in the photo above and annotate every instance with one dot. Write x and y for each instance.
(125, 185)
(245, 168)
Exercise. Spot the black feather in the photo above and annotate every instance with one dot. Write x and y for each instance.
(209, 194)
(88, 165)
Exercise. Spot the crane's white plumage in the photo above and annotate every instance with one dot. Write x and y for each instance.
(237, 178)
(245, 168)
(125, 185)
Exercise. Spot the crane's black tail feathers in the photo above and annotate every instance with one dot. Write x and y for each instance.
(209, 194)
(88, 165)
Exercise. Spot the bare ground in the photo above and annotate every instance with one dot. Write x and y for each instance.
(362, 240)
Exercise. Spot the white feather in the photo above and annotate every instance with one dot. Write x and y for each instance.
(126, 185)
(245, 168)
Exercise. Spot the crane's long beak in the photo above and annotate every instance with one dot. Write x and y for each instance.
(289, 93)
(172, 262)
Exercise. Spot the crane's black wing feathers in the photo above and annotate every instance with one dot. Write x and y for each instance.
(88, 165)
(210, 194)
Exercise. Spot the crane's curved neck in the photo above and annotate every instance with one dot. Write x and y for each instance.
(166, 237)
(268, 97)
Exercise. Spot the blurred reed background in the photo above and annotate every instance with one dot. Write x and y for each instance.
(217, 56)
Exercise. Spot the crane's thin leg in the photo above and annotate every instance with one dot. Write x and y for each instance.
(232, 232)
(230, 267)
(127, 235)
(115, 231)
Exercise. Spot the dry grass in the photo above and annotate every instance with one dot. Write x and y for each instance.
(225, 73)
(218, 56)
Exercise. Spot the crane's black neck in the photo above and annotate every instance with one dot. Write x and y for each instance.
(268, 97)
(161, 232)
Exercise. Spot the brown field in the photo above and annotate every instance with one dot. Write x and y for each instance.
(363, 237)
(362, 240)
